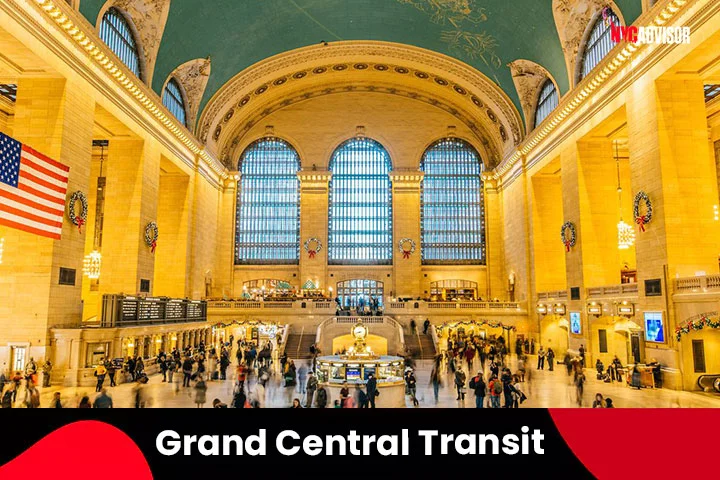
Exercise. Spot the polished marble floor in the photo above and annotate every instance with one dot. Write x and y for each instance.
(545, 390)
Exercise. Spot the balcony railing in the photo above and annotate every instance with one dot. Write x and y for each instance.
(697, 284)
(624, 289)
(554, 295)
(322, 305)
(422, 307)
(122, 310)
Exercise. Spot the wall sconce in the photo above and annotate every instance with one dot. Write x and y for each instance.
(594, 309)
(174, 338)
(559, 309)
(716, 212)
(541, 309)
(626, 309)
(158, 340)
(131, 345)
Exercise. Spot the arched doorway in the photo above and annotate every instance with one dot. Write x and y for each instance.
(554, 334)
(354, 293)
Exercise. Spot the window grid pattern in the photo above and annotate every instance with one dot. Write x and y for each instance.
(360, 204)
(452, 205)
(9, 90)
(599, 43)
(351, 292)
(547, 102)
(116, 33)
(173, 100)
(268, 205)
(711, 91)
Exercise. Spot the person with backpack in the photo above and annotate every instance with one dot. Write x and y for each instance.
(496, 390)
(100, 372)
(478, 385)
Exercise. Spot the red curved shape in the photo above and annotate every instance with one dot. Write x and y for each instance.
(625, 443)
(81, 450)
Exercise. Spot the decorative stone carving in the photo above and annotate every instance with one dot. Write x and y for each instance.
(149, 18)
(460, 79)
(572, 19)
(528, 78)
(491, 155)
(193, 76)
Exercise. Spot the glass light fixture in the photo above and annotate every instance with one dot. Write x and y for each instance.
(91, 265)
(626, 233)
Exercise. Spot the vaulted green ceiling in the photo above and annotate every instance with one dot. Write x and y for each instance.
(487, 34)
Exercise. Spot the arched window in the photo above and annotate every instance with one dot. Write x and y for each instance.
(599, 42)
(360, 204)
(547, 101)
(115, 31)
(268, 204)
(173, 100)
(452, 210)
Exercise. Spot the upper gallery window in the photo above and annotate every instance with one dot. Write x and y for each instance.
(452, 207)
(360, 204)
(115, 31)
(547, 101)
(599, 42)
(173, 100)
(268, 204)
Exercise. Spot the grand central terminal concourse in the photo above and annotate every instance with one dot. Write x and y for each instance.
(359, 204)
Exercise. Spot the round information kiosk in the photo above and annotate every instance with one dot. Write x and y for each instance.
(354, 367)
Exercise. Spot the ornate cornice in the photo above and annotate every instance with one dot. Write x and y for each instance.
(82, 35)
(606, 70)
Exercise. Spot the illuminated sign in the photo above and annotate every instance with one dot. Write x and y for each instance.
(654, 327)
(575, 324)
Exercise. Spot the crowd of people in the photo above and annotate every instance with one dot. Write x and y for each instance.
(470, 365)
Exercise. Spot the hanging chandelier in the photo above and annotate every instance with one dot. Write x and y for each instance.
(91, 265)
(626, 233)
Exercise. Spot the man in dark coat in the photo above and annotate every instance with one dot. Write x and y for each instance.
(371, 390)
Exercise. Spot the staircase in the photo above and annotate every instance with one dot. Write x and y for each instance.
(421, 346)
(298, 344)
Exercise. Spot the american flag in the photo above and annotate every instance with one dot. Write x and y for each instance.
(32, 189)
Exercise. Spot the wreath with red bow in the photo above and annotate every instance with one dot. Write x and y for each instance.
(407, 247)
(568, 241)
(151, 236)
(312, 252)
(646, 218)
(81, 218)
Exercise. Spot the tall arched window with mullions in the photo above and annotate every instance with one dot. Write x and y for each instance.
(360, 204)
(547, 101)
(599, 42)
(173, 100)
(268, 204)
(452, 206)
(115, 31)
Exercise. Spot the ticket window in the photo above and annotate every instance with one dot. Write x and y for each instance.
(96, 353)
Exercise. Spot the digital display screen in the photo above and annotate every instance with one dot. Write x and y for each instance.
(654, 328)
(352, 374)
(575, 325)
(368, 371)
